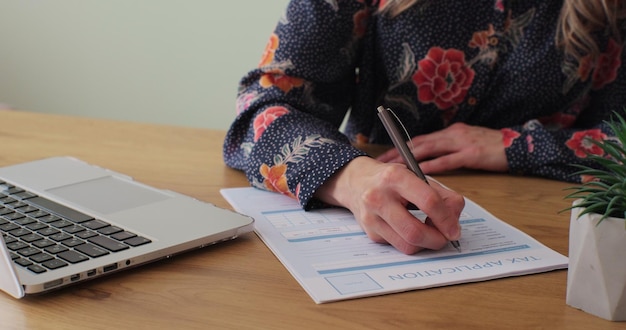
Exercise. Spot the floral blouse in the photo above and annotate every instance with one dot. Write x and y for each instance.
(491, 63)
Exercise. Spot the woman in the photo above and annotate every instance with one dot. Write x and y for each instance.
(495, 85)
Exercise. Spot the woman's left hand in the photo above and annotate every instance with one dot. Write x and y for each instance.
(457, 146)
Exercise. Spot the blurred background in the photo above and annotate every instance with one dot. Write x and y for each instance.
(173, 62)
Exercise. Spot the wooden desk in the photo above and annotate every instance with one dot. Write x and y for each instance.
(240, 284)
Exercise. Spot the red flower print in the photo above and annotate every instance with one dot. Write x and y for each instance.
(481, 39)
(558, 120)
(361, 139)
(275, 179)
(443, 77)
(508, 136)
(499, 6)
(584, 68)
(279, 79)
(588, 178)
(265, 118)
(530, 143)
(270, 49)
(607, 65)
(360, 22)
(581, 144)
(245, 100)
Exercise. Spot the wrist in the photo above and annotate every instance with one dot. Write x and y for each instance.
(336, 190)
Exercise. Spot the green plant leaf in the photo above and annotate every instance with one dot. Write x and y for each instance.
(606, 194)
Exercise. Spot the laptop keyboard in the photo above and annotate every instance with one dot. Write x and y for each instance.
(43, 235)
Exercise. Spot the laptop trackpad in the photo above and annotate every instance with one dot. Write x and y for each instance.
(108, 194)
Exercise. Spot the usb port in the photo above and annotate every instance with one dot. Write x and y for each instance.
(109, 268)
(75, 277)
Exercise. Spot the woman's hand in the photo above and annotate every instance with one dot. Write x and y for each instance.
(457, 146)
(377, 194)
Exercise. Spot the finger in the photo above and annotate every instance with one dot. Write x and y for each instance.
(379, 231)
(446, 218)
(445, 163)
(442, 205)
(389, 156)
(434, 148)
(405, 232)
(414, 232)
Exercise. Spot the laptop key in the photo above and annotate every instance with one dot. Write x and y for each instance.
(41, 257)
(36, 269)
(23, 262)
(31, 238)
(85, 234)
(38, 214)
(17, 246)
(92, 250)
(72, 256)
(43, 243)
(60, 237)
(9, 226)
(110, 230)
(56, 249)
(108, 243)
(59, 209)
(24, 221)
(20, 232)
(61, 223)
(73, 229)
(9, 239)
(29, 251)
(55, 263)
(73, 242)
(14, 216)
(36, 226)
(123, 235)
(48, 231)
(95, 224)
(136, 241)
(5, 210)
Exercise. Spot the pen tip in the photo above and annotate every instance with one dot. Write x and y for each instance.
(456, 245)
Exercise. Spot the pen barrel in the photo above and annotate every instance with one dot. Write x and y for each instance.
(399, 142)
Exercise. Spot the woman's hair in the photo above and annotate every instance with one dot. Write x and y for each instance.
(579, 21)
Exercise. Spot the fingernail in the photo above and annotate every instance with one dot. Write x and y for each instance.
(455, 232)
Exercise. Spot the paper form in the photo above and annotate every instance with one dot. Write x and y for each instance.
(333, 259)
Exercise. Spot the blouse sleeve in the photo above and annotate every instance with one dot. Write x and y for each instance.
(549, 146)
(286, 135)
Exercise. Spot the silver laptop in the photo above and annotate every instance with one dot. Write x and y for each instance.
(63, 221)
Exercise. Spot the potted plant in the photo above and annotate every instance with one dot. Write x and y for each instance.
(596, 276)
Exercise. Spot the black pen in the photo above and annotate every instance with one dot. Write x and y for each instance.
(403, 149)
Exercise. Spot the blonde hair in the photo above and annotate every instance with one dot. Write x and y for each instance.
(581, 19)
(395, 7)
(578, 21)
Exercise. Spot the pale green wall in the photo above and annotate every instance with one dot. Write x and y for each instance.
(162, 61)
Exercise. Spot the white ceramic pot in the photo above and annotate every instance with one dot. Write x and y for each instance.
(596, 277)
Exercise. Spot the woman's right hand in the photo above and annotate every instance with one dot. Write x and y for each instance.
(377, 194)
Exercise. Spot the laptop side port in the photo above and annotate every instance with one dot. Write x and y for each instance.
(91, 273)
(109, 268)
(75, 277)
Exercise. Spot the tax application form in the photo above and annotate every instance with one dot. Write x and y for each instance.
(333, 259)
